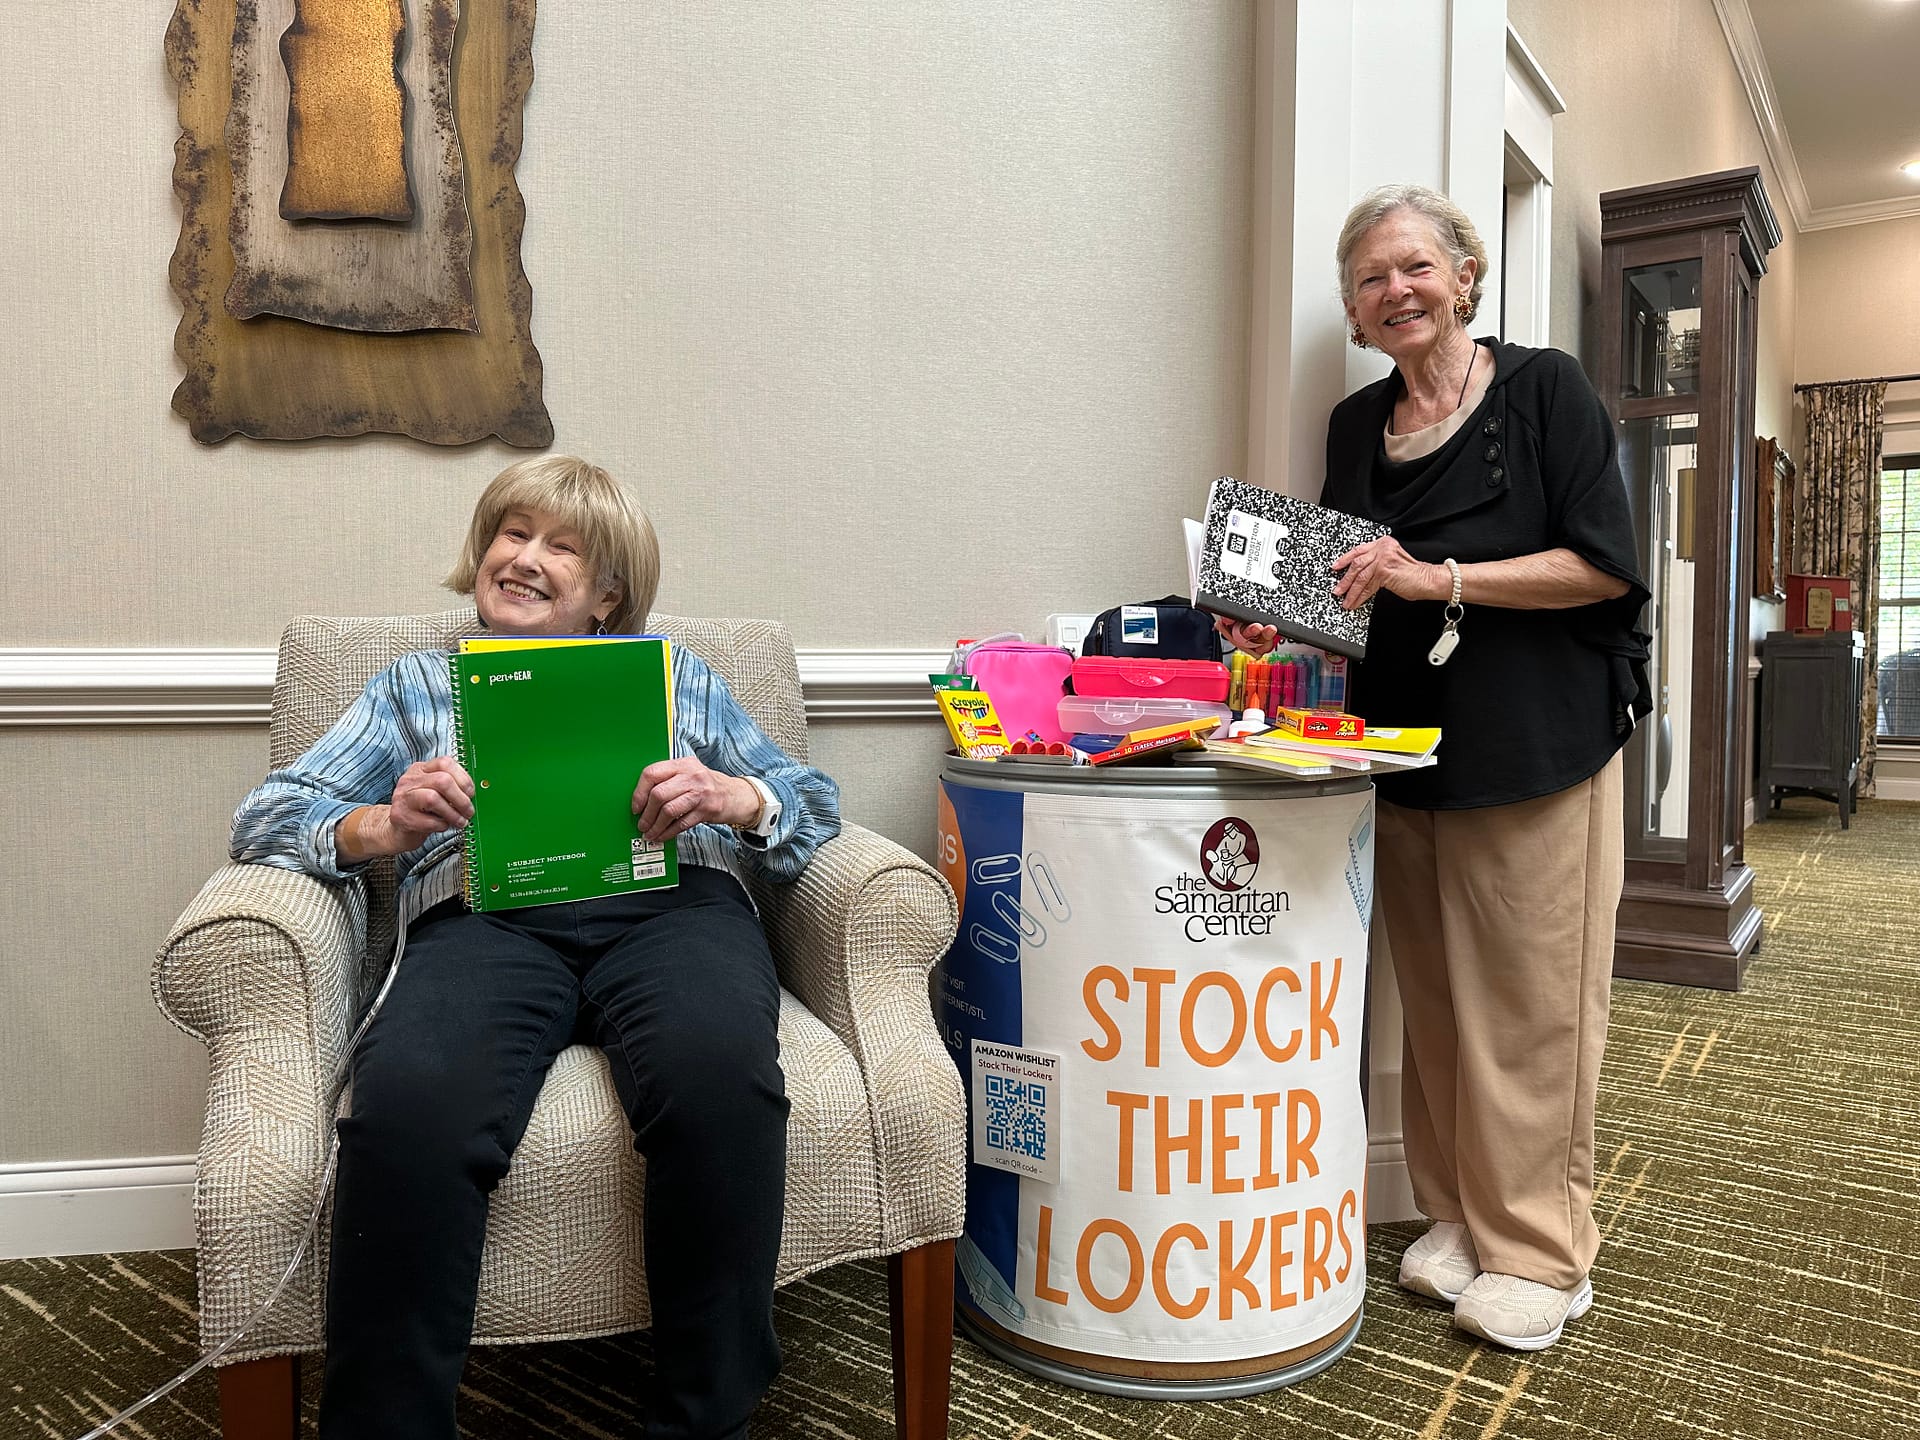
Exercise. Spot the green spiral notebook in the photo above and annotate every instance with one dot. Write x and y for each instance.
(555, 734)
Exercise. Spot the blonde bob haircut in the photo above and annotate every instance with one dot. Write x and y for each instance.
(1451, 228)
(619, 539)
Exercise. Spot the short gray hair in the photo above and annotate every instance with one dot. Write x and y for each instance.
(1451, 228)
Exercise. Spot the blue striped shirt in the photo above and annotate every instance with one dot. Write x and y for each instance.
(405, 715)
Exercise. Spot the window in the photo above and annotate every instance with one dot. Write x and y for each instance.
(1900, 597)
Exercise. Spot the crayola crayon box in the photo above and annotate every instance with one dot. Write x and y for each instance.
(976, 730)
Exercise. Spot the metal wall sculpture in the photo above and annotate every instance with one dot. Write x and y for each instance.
(304, 327)
(346, 112)
(356, 276)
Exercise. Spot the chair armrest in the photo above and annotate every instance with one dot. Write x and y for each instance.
(265, 966)
(259, 943)
(854, 937)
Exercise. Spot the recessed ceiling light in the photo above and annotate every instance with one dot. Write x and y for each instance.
(1911, 169)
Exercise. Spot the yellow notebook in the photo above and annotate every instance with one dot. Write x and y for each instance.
(1417, 743)
(1278, 762)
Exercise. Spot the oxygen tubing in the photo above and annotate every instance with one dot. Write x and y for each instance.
(336, 1087)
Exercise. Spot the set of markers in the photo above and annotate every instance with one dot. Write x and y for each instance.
(1307, 680)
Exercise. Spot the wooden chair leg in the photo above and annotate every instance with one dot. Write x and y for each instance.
(260, 1399)
(920, 1296)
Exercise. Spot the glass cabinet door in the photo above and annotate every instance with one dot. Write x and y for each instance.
(1660, 341)
(1659, 458)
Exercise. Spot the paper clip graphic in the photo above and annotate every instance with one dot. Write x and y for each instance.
(1046, 889)
(995, 869)
(1023, 920)
(994, 945)
(988, 1288)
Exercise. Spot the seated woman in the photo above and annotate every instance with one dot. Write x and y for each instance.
(676, 986)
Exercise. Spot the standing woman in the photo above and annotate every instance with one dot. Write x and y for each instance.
(1508, 594)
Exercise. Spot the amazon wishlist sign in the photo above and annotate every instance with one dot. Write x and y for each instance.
(1156, 1003)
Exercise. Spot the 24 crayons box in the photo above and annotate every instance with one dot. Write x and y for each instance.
(1320, 724)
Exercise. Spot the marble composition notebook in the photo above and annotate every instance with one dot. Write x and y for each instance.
(1267, 558)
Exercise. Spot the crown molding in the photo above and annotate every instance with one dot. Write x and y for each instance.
(1832, 217)
(56, 686)
(1743, 39)
(1736, 23)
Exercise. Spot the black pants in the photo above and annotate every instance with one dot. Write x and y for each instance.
(677, 987)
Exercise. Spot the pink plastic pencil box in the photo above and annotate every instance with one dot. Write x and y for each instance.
(1143, 677)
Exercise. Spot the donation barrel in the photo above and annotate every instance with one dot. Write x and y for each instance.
(1156, 1000)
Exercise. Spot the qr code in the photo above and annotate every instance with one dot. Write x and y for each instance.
(1017, 1116)
(1237, 544)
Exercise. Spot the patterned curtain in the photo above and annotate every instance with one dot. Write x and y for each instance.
(1836, 528)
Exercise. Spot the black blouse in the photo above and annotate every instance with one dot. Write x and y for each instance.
(1531, 701)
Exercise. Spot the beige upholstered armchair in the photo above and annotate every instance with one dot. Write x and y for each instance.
(272, 970)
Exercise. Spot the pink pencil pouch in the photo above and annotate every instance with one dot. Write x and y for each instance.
(1024, 681)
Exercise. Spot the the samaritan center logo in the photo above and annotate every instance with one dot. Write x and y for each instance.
(1229, 854)
(1218, 899)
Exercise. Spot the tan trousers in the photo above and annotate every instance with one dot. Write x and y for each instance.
(1501, 926)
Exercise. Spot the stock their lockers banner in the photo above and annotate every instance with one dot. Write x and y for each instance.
(1156, 1002)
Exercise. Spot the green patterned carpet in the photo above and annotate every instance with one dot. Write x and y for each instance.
(1760, 1278)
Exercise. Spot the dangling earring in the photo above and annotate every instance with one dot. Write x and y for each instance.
(599, 625)
(1462, 309)
(1359, 338)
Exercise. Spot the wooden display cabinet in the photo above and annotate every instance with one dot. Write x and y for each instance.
(1681, 266)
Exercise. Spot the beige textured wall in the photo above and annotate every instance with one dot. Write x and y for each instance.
(1652, 94)
(862, 296)
(873, 302)
(1859, 317)
(117, 828)
(1859, 305)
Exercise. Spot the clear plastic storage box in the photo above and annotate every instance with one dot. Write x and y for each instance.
(1110, 715)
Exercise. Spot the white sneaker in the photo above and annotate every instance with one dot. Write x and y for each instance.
(1441, 1263)
(1520, 1314)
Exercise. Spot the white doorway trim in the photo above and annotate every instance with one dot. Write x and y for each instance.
(1527, 256)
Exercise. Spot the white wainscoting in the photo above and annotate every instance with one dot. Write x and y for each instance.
(1896, 772)
(94, 1207)
(50, 686)
(1389, 1190)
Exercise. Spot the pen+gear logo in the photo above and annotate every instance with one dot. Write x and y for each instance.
(1229, 854)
